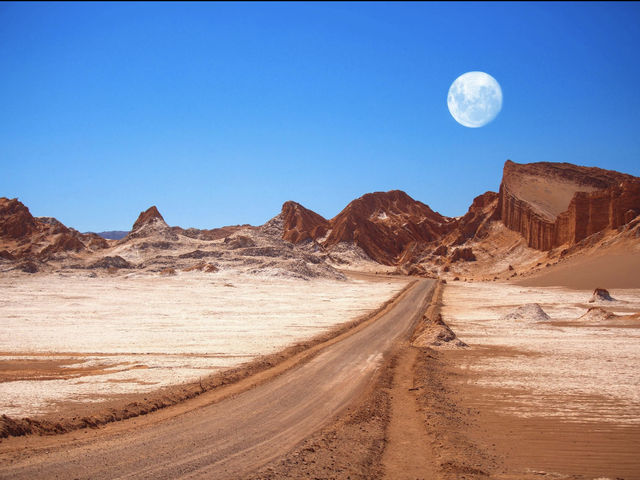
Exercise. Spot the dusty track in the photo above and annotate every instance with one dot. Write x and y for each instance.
(238, 435)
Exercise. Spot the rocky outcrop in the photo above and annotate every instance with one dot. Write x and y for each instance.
(382, 224)
(436, 333)
(148, 216)
(150, 224)
(598, 314)
(16, 222)
(301, 224)
(475, 223)
(202, 267)
(592, 212)
(239, 241)
(463, 253)
(390, 227)
(529, 312)
(601, 295)
(552, 204)
(111, 262)
(23, 236)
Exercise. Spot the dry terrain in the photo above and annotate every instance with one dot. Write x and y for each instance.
(68, 339)
(554, 386)
(259, 352)
(234, 436)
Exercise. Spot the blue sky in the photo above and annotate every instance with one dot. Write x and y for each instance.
(218, 113)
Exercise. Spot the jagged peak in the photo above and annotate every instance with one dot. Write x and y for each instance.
(146, 217)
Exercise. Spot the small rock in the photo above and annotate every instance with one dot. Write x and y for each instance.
(601, 294)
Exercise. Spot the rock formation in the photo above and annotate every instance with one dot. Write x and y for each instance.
(150, 224)
(475, 222)
(382, 224)
(150, 215)
(553, 204)
(436, 333)
(301, 224)
(385, 224)
(542, 205)
(597, 314)
(23, 236)
(111, 262)
(601, 295)
(16, 221)
(531, 312)
(462, 253)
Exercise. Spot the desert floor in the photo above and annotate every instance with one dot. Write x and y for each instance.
(557, 395)
(547, 392)
(79, 339)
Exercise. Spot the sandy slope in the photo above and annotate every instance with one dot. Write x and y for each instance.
(235, 436)
(616, 269)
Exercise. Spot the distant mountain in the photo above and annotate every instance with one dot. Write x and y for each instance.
(382, 224)
(542, 213)
(113, 234)
(23, 236)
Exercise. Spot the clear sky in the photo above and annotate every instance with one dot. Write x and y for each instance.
(218, 113)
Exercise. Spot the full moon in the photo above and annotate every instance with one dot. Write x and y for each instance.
(475, 98)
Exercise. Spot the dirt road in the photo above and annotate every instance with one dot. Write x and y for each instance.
(231, 438)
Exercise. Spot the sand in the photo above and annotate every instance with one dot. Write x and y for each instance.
(568, 387)
(72, 337)
(546, 364)
(615, 270)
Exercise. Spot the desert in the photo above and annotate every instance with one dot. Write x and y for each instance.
(328, 241)
(457, 336)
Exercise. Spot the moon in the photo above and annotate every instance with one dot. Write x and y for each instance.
(475, 99)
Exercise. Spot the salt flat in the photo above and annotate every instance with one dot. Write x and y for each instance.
(73, 337)
(562, 367)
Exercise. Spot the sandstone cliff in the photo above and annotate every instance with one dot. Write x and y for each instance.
(551, 204)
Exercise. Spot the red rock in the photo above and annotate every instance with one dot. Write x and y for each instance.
(147, 217)
(15, 219)
(391, 227)
(64, 243)
(24, 237)
(553, 204)
(441, 251)
(462, 253)
(482, 212)
(385, 224)
(601, 294)
(202, 267)
(301, 224)
(6, 255)
(630, 215)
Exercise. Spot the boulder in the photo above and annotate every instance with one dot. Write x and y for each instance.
(601, 295)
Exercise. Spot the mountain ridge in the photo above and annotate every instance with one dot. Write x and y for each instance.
(549, 207)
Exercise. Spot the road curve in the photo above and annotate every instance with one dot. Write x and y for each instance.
(238, 435)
